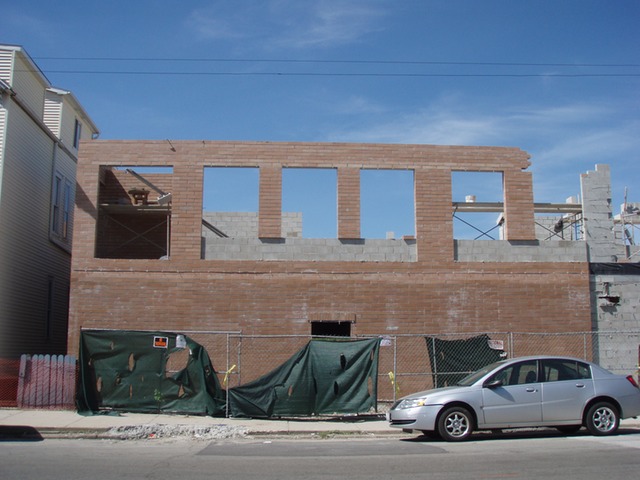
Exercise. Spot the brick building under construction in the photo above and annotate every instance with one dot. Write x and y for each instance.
(145, 257)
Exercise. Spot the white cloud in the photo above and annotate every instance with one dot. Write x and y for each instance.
(356, 105)
(289, 24)
(559, 132)
(27, 24)
(564, 140)
(220, 22)
(210, 27)
(430, 127)
(328, 23)
(606, 143)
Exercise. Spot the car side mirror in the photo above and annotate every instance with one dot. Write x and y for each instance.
(493, 384)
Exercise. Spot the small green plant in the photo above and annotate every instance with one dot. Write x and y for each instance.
(157, 396)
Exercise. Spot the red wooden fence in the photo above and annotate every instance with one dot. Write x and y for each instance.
(9, 368)
(47, 381)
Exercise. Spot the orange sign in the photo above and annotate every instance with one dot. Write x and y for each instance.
(160, 342)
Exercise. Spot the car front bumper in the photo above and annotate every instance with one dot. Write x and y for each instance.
(419, 418)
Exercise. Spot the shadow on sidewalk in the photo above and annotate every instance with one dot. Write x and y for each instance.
(20, 433)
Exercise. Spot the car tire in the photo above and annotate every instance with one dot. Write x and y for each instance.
(602, 419)
(455, 424)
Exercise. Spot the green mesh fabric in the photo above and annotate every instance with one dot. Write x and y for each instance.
(325, 377)
(127, 371)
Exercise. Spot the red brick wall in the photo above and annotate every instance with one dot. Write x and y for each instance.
(270, 200)
(434, 294)
(348, 202)
(519, 208)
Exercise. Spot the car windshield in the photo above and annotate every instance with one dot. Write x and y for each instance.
(475, 376)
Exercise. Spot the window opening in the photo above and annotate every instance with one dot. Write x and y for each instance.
(387, 207)
(477, 199)
(230, 202)
(134, 217)
(309, 202)
(331, 329)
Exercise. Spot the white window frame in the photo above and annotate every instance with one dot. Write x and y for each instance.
(61, 211)
(77, 134)
(58, 181)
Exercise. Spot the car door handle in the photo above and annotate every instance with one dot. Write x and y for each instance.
(531, 389)
(580, 385)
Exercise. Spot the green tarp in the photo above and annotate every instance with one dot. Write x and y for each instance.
(325, 377)
(452, 360)
(167, 372)
(128, 371)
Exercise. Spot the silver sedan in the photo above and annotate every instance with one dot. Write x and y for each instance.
(562, 392)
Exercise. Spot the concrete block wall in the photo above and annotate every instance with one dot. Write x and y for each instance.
(598, 217)
(616, 308)
(424, 286)
(310, 250)
(503, 251)
(245, 224)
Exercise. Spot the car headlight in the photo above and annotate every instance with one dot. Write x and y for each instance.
(412, 403)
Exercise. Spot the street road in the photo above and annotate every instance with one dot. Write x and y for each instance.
(541, 454)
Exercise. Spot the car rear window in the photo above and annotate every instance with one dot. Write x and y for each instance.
(557, 370)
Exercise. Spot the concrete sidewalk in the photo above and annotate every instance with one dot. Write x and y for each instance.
(15, 423)
(52, 423)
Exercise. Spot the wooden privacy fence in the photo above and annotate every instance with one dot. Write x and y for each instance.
(9, 368)
(47, 381)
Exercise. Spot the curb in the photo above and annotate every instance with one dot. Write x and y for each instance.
(27, 433)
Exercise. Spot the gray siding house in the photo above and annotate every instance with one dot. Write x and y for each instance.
(40, 131)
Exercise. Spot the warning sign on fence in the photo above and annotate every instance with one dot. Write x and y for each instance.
(160, 342)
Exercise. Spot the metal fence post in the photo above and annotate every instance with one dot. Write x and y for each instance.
(512, 347)
(434, 367)
(226, 398)
(395, 368)
(239, 354)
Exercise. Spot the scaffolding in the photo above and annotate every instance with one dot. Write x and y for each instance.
(130, 224)
(626, 226)
(568, 226)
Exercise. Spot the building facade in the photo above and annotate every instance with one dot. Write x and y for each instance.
(40, 131)
(146, 256)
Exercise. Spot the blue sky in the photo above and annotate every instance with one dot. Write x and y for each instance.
(557, 78)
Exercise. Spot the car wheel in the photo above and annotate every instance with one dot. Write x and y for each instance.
(602, 419)
(569, 428)
(455, 424)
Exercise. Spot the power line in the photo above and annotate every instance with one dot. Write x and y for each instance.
(180, 72)
(336, 74)
(355, 62)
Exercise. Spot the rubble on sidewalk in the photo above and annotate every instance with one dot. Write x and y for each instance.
(150, 431)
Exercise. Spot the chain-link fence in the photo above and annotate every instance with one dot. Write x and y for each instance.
(407, 363)
(414, 364)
